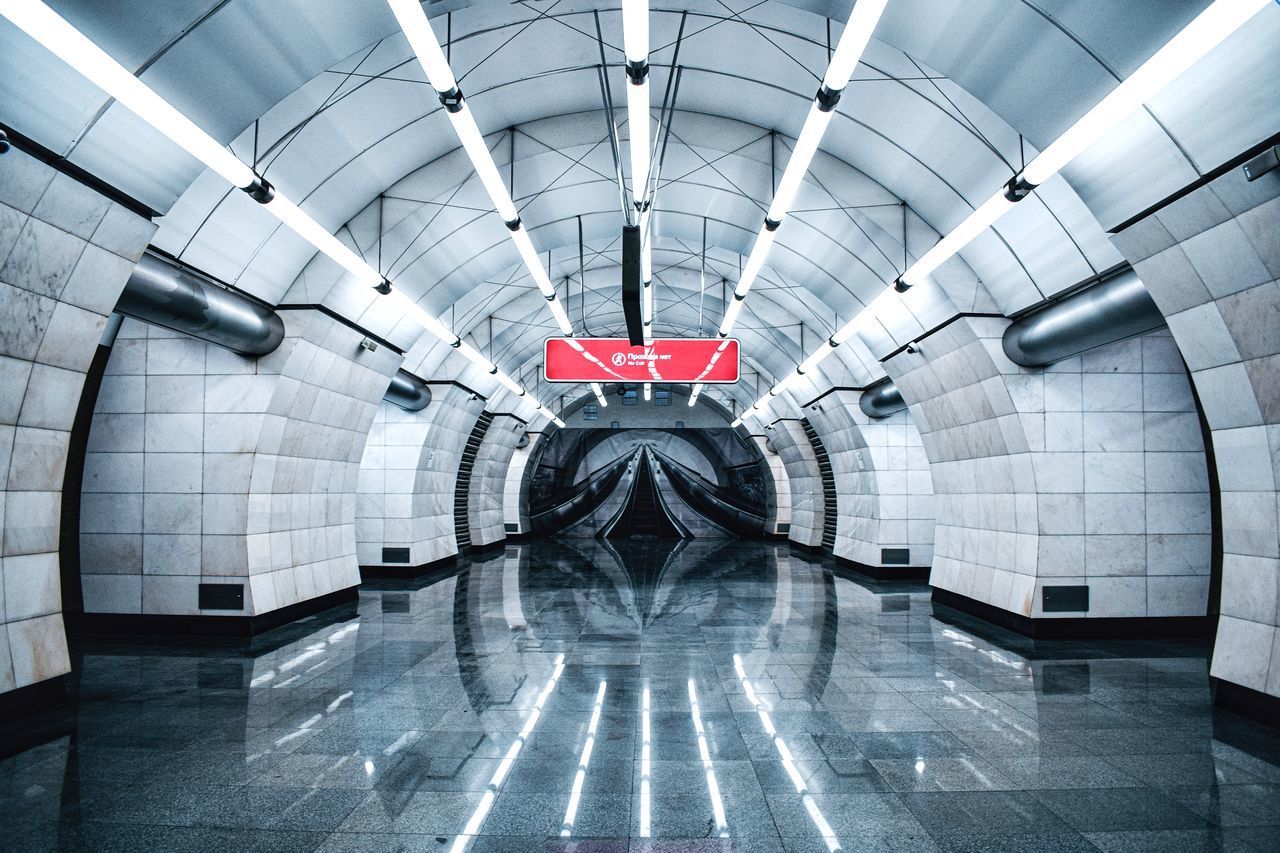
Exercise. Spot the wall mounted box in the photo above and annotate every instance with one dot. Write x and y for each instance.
(221, 596)
(1065, 599)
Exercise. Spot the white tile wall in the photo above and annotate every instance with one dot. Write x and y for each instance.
(234, 469)
(489, 478)
(884, 488)
(804, 481)
(65, 254)
(515, 514)
(781, 483)
(1086, 472)
(408, 472)
(1215, 279)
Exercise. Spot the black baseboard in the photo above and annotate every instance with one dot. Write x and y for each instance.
(811, 550)
(154, 624)
(485, 550)
(397, 572)
(25, 701)
(1247, 702)
(1077, 628)
(884, 573)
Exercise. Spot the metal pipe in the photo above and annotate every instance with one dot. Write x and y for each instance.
(881, 399)
(408, 392)
(1114, 309)
(162, 293)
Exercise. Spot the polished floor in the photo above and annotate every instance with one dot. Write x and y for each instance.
(577, 696)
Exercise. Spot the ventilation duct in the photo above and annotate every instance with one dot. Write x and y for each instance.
(408, 392)
(1114, 309)
(881, 400)
(162, 293)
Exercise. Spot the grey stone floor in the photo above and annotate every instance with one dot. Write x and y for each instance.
(735, 696)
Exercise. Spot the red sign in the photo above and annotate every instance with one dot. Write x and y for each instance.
(706, 360)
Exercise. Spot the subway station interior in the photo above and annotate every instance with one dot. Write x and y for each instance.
(907, 481)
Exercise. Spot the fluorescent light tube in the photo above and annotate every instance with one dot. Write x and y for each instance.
(1205, 32)
(464, 124)
(974, 224)
(638, 123)
(562, 319)
(817, 358)
(413, 21)
(599, 392)
(509, 383)
(815, 125)
(755, 261)
(730, 317)
(853, 41)
(648, 390)
(74, 48)
(417, 29)
(635, 30)
(474, 355)
(693, 394)
(315, 234)
(1209, 29)
(529, 255)
(422, 317)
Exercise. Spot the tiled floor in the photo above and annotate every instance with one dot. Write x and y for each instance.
(734, 696)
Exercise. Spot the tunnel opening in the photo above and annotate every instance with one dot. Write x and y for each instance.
(648, 483)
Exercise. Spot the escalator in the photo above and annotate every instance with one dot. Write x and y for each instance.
(714, 503)
(643, 515)
(580, 501)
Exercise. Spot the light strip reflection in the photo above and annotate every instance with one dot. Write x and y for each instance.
(713, 787)
(504, 767)
(576, 794)
(788, 763)
(645, 767)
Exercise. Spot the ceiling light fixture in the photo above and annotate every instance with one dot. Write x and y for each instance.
(1205, 32)
(853, 41)
(71, 46)
(417, 29)
(635, 45)
(599, 392)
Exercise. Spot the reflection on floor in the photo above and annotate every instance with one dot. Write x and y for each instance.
(579, 696)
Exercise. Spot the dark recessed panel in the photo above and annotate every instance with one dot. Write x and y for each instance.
(221, 596)
(1065, 599)
(895, 556)
(395, 555)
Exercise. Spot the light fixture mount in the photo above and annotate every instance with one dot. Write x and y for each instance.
(1018, 188)
(900, 285)
(637, 71)
(827, 98)
(451, 100)
(260, 190)
(383, 287)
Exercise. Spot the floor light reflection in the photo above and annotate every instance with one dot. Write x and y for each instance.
(645, 768)
(571, 813)
(504, 767)
(788, 763)
(713, 786)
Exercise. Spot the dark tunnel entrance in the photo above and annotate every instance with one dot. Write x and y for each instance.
(644, 483)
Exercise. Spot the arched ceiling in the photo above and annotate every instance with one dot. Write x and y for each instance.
(952, 95)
